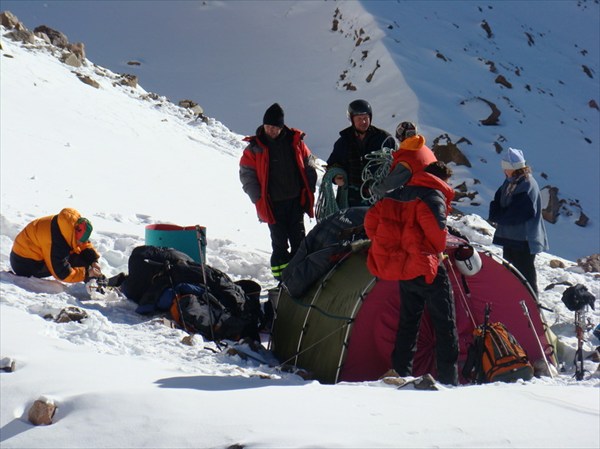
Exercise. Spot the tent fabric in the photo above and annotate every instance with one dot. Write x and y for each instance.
(344, 327)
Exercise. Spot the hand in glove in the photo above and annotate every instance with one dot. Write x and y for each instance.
(89, 256)
(93, 272)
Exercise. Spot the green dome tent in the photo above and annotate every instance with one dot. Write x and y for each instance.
(343, 327)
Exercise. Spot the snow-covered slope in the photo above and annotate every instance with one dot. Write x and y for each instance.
(125, 159)
(435, 63)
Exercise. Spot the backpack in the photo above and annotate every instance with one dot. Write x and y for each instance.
(577, 297)
(198, 311)
(495, 355)
(158, 274)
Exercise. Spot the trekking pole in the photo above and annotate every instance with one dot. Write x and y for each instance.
(206, 293)
(579, 327)
(484, 328)
(537, 338)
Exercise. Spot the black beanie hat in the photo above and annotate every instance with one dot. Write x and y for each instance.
(274, 116)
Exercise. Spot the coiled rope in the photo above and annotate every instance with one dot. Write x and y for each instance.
(328, 203)
(376, 169)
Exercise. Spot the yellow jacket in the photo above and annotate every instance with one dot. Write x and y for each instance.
(52, 239)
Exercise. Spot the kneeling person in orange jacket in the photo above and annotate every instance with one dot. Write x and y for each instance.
(57, 245)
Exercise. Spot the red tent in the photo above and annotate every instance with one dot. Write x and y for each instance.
(344, 327)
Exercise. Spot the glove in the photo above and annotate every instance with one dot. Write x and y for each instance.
(93, 272)
(89, 256)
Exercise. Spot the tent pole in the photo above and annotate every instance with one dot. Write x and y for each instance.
(361, 298)
(537, 338)
(462, 295)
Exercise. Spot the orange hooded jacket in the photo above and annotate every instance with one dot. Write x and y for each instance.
(53, 243)
(413, 154)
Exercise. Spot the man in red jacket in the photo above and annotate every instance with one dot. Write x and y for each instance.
(408, 233)
(278, 172)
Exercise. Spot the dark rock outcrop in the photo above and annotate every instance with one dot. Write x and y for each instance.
(446, 151)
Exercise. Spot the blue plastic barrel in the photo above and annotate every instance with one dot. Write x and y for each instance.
(182, 238)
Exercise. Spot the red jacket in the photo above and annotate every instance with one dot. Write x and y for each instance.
(407, 229)
(254, 174)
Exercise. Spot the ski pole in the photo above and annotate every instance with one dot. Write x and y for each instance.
(579, 324)
(537, 338)
(206, 293)
(481, 375)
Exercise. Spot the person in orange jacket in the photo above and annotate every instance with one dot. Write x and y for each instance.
(412, 156)
(408, 234)
(56, 245)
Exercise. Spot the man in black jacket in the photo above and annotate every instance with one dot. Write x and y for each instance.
(354, 143)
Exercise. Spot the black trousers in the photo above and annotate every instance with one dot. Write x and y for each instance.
(22, 266)
(286, 233)
(438, 297)
(524, 262)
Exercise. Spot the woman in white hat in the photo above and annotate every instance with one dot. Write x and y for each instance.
(517, 211)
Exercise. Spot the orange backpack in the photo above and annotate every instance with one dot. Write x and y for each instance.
(496, 355)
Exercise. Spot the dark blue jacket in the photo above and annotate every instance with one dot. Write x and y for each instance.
(517, 210)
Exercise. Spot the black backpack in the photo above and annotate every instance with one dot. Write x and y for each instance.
(577, 297)
(198, 311)
(154, 270)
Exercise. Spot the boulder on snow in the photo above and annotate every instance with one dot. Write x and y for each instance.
(488, 30)
(555, 263)
(71, 59)
(87, 80)
(24, 36)
(551, 210)
(590, 264)
(56, 37)
(78, 49)
(128, 80)
(192, 106)
(41, 412)
(582, 220)
(7, 365)
(500, 79)
(10, 21)
(494, 117)
(71, 313)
